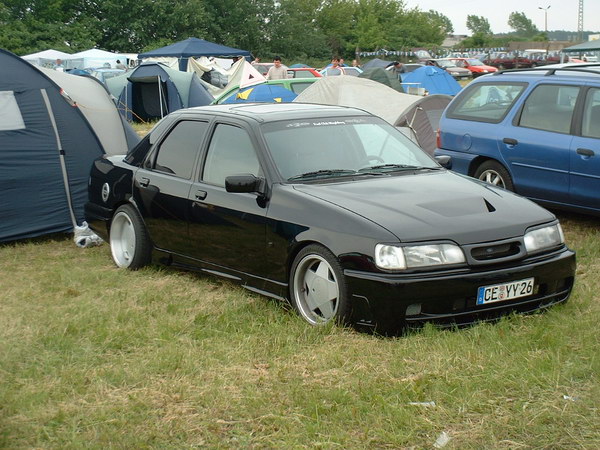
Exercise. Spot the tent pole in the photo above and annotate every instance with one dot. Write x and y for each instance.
(61, 157)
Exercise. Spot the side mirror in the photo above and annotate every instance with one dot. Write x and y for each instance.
(445, 161)
(242, 183)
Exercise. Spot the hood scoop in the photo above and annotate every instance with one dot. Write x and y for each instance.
(461, 207)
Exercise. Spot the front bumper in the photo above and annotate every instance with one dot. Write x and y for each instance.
(390, 302)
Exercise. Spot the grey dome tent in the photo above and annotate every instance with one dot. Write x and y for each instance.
(52, 127)
(153, 90)
(193, 48)
(416, 116)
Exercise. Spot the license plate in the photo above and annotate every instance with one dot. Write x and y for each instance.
(504, 291)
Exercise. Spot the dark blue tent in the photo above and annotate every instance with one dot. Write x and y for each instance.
(153, 90)
(376, 63)
(47, 146)
(433, 79)
(193, 48)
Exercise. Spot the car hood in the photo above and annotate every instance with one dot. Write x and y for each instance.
(433, 206)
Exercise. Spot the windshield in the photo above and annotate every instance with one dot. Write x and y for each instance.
(445, 63)
(341, 146)
(474, 62)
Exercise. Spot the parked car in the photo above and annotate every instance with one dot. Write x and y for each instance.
(458, 73)
(296, 85)
(346, 70)
(532, 131)
(504, 61)
(303, 72)
(476, 67)
(331, 208)
(104, 73)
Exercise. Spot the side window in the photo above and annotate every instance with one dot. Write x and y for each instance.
(591, 114)
(230, 153)
(486, 102)
(550, 108)
(177, 153)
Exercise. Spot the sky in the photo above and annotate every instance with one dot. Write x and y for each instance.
(562, 15)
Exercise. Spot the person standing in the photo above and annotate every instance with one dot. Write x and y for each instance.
(120, 65)
(278, 71)
(59, 65)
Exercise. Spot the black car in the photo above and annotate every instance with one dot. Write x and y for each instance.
(331, 208)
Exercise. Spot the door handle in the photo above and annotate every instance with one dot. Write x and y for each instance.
(510, 141)
(144, 181)
(585, 152)
(200, 195)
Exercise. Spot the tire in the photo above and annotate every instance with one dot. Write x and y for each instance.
(129, 242)
(495, 174)
(318, 289)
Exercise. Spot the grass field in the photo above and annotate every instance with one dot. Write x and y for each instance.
(96, 357)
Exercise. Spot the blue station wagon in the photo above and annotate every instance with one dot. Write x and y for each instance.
(532, 131)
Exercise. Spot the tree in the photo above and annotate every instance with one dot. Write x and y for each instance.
(521, 24)
(478, 25)
(443, 21)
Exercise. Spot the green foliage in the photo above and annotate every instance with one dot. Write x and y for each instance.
(519, 22)
(443, 21)
(294, 29)
(478, 25)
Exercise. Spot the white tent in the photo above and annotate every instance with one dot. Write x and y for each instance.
(46, 58)
(416, 116)
(93, 58)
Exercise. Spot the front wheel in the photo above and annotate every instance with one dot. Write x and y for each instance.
(129, 242)
(495, 174)
(318, 288)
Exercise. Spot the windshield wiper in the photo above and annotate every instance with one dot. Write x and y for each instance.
(395, 167)
(323, 173)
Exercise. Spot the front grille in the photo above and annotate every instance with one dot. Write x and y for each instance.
(495, 252)
(489, 252)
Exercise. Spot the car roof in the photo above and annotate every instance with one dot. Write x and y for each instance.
(560, 71)
(273, 112)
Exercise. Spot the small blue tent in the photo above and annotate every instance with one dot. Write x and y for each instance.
(193, 48)
(153, 90)
(433, 79)
(52, 127)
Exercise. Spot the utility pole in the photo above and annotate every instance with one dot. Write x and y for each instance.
(546, 17)
(580, 22)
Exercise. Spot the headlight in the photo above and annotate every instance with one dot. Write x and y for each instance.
(543, 238)
(394, 257)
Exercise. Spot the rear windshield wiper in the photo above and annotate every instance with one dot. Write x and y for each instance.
(395, 167)
(323, 173)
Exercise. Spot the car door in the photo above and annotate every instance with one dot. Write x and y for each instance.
(536, 143)
(585, 155)
(228, 230)
(162, 185)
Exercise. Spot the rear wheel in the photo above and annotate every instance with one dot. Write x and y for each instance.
(318, 288)
(129, 242)
(496, 174)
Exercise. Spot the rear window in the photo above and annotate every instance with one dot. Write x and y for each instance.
(486, 102)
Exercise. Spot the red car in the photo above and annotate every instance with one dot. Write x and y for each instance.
(303, 72)
(476, 67)
(507, 61)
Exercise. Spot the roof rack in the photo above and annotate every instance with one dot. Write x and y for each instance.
(592, 68)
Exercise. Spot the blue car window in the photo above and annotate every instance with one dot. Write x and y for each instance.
(550, 108)
(486, 102)
(591, 114)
